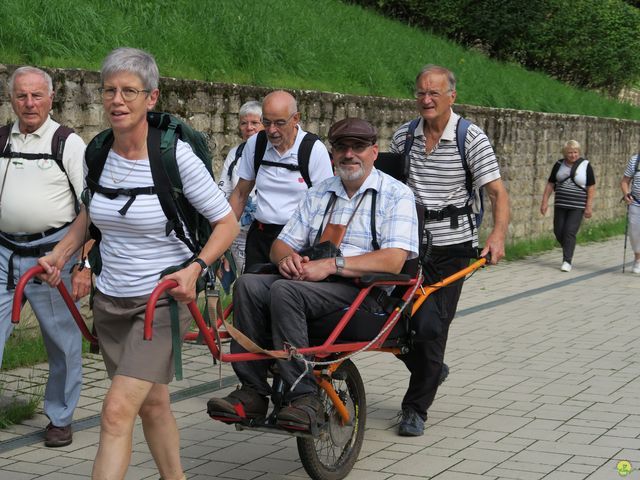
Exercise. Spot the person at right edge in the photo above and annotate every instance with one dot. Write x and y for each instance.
(437, 177)
(630, 186)
(574, 183)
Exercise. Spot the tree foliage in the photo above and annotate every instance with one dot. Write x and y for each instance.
(587, 43)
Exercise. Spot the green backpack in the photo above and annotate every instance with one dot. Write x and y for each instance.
(164, 131)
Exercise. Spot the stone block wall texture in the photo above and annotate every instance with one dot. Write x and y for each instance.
(526, 143)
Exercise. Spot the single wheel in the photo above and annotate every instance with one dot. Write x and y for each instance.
(332, 455)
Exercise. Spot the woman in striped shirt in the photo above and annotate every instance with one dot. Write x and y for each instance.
(574, 183)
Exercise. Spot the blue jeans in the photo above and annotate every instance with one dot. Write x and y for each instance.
(62, 338)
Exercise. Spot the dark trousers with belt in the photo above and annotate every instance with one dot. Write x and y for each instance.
(259, 239)
(431, 323)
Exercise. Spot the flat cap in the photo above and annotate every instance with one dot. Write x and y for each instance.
(353, 128)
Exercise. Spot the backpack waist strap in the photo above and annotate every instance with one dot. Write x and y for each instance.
(34, 251)
(450, 212)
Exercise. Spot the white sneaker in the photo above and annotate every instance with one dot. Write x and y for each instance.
(566, 267)
(636, 267)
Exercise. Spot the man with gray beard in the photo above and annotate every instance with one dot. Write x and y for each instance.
(276, 309)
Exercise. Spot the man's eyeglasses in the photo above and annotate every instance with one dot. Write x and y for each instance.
(431, 93)
(276, 123)
(129, 94)
(356, 147)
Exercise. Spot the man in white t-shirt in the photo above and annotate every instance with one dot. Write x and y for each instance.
(282, 179)
(438, 178)
(38, 199)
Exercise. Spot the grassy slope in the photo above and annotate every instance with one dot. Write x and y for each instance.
(312, 44)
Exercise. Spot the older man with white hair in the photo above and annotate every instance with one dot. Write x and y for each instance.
(41, 172)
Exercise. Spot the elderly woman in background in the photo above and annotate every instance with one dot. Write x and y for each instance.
(135, 248)
(630, 186)
(574, 183)
(250, 116)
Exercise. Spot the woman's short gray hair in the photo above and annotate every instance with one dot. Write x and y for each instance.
(252, 107)
(570, 145)
(131, 60)
(25, 71)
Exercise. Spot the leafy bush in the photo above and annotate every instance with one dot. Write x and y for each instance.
(587, 43)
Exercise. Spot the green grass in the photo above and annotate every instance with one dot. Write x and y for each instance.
(589, 232)
(19, 410)
(23, 348)
(310, 44)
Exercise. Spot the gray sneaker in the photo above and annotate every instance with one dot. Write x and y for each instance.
(411, 424)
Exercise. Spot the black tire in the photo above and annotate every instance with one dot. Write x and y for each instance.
(332, 455)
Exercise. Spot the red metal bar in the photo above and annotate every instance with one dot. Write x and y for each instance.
(323, 350)
(19, 293)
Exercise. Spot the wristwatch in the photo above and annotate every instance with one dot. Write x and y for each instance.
(339, 265)
(203, 265)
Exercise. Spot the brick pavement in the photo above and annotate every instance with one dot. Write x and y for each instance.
(543, 385)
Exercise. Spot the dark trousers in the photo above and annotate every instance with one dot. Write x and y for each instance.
(259, 239)
(271, 310)
(566, 223)
(431, 323)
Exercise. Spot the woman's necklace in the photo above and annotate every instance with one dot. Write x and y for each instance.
(126, 176)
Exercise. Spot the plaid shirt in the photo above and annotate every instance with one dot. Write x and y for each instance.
(396, 220)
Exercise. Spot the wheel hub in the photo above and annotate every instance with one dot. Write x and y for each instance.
(340, 433)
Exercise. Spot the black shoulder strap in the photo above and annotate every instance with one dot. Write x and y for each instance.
(95, 157)
(5, 131)
(163, 186)
(261, 147)
(408, 143)
(235, 159)
(461, 134)
(374, 235)
(304, 155)
(57, 150)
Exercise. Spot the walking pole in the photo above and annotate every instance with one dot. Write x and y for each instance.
(626, 231)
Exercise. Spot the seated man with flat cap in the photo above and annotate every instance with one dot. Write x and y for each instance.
(274, 310)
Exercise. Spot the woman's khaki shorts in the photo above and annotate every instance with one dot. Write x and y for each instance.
(119, 324)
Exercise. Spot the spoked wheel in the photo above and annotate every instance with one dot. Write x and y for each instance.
(331, 456)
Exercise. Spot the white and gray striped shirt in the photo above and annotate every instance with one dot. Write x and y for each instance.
(438, 178)
(134, 247)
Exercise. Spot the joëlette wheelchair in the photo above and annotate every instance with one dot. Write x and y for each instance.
(327, 452)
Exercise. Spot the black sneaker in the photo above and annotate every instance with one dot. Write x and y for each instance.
(240, 405)
(411, 424)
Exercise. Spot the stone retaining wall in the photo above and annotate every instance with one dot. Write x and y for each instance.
(527, 143)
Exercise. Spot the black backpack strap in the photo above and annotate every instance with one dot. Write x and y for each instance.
(408, 143)
(57, 150)
(261, 147)
(238, 154)
(95, 157)
(159, 148)
(461, 134)
(304, 156)
(5, 145)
